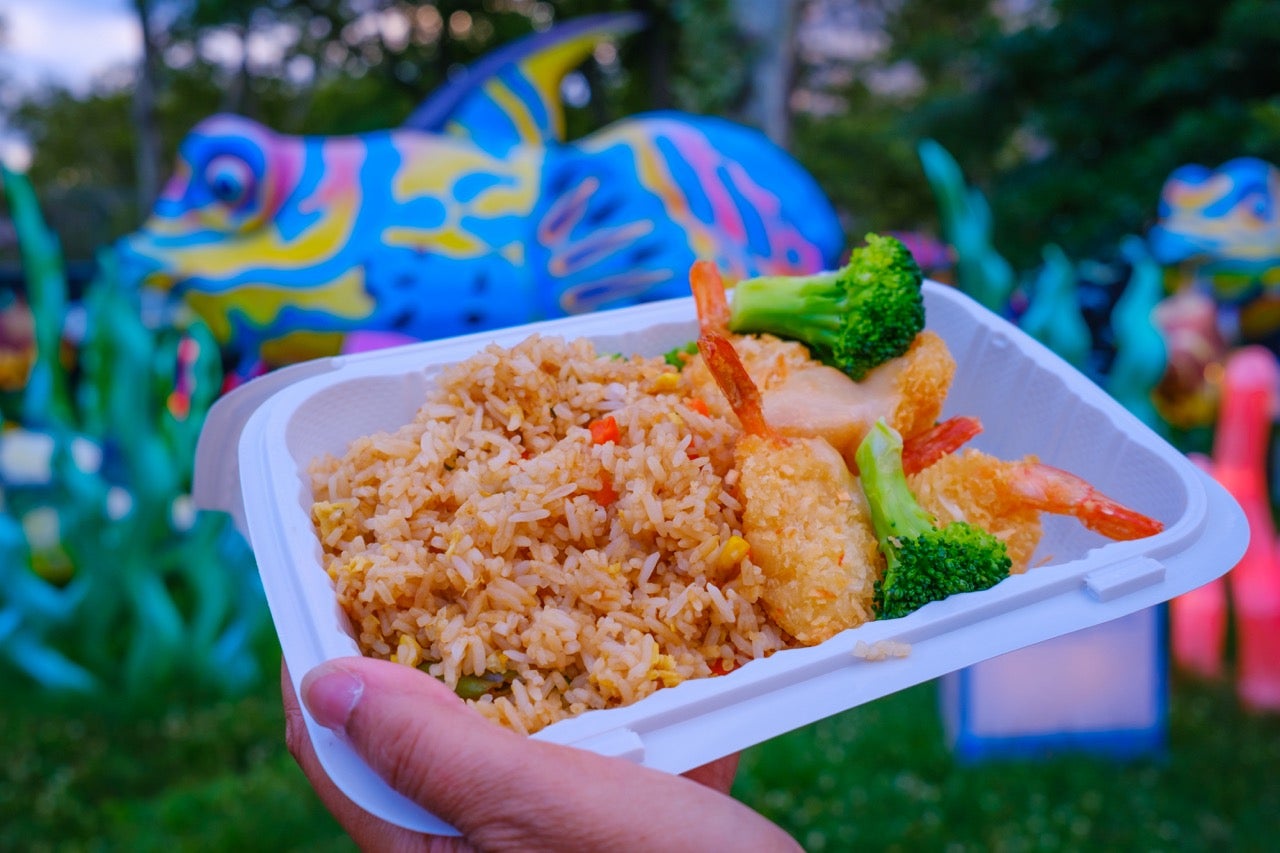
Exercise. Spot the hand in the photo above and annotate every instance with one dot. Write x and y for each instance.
(501, 790)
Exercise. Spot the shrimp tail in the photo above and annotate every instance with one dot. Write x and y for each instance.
(709, 297)
(1053, 490)
(925, 448)
(735, 383)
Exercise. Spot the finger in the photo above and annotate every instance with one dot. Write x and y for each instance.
(505, 791)
(717, 775)
(367, 831)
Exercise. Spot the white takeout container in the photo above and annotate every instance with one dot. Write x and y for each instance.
(258, 441)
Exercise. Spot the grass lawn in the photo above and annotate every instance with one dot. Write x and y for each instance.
(881, 777)
(216, 776)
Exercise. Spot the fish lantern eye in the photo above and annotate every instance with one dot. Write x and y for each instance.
(230, 179)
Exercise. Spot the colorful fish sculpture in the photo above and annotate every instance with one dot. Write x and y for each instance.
(1222, 227)
(475, 214)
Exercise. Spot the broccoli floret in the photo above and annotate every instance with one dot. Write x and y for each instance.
(853, 319)
(925, 562)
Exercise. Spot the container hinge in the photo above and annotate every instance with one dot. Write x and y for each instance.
(619, 743)
(1122, 578)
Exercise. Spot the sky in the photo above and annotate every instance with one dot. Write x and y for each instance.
(67, 42)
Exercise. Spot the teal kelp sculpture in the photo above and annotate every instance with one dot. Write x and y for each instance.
(111, 581)
(1124, 350)
(1053, 314)
(1142, 355)
(965, 215)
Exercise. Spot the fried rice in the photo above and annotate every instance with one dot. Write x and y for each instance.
(506, 544)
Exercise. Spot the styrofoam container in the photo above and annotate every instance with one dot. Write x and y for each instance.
(258, 441)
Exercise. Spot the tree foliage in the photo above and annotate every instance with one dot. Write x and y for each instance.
(1072, 113)
(1120, 95)
(1068, 114)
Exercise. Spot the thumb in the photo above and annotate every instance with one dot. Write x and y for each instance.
(502, 790)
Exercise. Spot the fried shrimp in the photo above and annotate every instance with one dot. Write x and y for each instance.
(1006, 498)
(804, 515)
(927, 447)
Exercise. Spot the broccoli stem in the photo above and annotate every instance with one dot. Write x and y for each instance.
(895, 512)
(807, 308)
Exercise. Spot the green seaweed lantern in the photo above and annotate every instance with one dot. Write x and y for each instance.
(1141, 354)
(1053, 315)
(111, 580)
(48, 397)
(981, 271)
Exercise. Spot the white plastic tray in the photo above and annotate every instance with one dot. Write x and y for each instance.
(258, 441)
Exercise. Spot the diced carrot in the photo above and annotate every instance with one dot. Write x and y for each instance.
(698, 405)
(604, 430)
(605, 495)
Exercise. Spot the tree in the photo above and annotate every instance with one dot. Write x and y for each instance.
(920, 60)
(84, 166)
(770, 30)
(1116, 97)
(1076, 116)
(147, 149)
(1068, 114)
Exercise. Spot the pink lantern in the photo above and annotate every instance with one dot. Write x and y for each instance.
(1198, 620)
(1249, 394)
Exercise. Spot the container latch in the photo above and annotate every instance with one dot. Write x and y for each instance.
(619, 743)
(1122, 578)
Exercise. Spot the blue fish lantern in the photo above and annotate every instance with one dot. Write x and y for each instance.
(475, 214)
(1224, 226)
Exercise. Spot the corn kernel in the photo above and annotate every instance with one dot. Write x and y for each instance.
(666, 382)
(734, 552)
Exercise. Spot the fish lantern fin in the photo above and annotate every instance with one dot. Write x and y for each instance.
(512, 96)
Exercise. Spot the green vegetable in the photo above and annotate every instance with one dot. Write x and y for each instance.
(475, 686)
(853, 319)
(679, 356)
(925, 562)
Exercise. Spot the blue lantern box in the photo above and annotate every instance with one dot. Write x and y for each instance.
(1101, 690)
